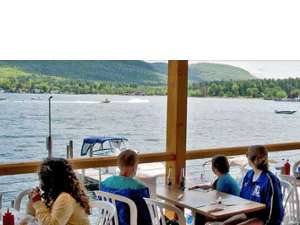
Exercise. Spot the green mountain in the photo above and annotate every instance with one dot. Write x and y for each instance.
(115, 71)
(122, 71)
(215, 72)
(211, 72)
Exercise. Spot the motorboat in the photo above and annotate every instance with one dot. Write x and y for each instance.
(285, 111)
(35, 98)
(2, 98)
(106, 101)
(103, 145)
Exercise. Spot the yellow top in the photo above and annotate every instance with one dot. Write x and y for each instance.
(64, 211)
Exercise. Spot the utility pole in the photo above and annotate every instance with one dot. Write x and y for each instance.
(49, 138)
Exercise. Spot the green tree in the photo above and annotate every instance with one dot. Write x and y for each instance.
(281, 94)
(252, 92)
(294, 93)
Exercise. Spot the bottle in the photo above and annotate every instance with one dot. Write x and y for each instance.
(8, 218)
(282, 171)
(189, 218)
(182, 179)
(169, 178)
(287, 168)
(201, 178)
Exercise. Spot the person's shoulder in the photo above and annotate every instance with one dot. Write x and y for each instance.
(272, 175)
(65, 197)
(249, 174)
(223, 179)
(110, 180)
(272, 178)
(230, 179)
(121, 182)
(139, 184)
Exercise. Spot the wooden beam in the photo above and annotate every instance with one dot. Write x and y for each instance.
(81, 163)
(241, 150)
(95, 162)
(177, 115)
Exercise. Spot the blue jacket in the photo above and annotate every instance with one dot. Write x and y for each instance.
(266, 189)
(137, 193)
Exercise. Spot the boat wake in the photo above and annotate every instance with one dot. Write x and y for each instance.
(138, 100)
(133, 100)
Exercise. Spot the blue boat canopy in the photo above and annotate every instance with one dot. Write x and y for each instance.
(89, 142)
(102, 139)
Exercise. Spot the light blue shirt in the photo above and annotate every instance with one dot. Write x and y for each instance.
(122, 182)
(228, 184)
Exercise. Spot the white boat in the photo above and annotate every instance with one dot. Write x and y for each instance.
(35, 98)
(106, 101)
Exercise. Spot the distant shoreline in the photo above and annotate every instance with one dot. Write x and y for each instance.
(206, 97)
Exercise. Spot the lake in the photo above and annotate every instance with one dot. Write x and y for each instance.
(212, 122)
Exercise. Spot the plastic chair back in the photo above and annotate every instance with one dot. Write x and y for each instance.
(291, 200)
(157, 208)
(19, 198)
(106, 212)
(112, 198)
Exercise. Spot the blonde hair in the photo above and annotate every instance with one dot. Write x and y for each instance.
(127, 158)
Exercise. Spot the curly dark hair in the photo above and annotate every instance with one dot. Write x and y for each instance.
(57, 176)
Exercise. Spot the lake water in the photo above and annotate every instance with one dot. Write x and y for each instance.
(212, 122)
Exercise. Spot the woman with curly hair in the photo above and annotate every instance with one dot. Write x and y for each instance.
(61, 200)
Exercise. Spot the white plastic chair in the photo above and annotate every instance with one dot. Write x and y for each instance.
(112, 198)
(19, 198)
(106, 212)
(156, 210)
(290, 200)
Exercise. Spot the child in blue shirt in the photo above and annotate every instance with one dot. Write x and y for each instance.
(225, 182)
(127, 186)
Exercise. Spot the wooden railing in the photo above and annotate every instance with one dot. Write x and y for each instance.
(95, 162)
(241, 150)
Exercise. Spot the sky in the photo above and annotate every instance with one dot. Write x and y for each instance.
(266, 69)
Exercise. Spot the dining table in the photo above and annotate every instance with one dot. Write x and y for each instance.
(207, 205)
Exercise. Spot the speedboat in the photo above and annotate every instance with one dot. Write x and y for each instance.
(103, 145)
(285, 111)
(106, 101)
(35, 98)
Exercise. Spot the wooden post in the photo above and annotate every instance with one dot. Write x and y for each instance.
(177, 116)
